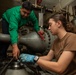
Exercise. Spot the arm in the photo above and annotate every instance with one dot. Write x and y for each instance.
(13, 28)
(34, 20)
(36, 25)
(49, 56)
(58, 66)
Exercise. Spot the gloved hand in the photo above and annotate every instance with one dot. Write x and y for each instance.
(40, 33)
(27, 58)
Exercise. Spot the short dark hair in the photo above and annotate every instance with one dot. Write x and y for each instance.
(27, 5)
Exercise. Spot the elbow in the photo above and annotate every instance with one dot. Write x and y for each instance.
(60, 70)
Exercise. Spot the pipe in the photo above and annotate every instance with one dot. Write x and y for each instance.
(32, 41)
(4, 37)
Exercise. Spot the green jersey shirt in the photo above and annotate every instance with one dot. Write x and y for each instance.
(13, 17)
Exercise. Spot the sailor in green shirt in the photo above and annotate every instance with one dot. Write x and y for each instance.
(13, 19)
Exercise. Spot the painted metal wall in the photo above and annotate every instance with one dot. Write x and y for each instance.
(6, 4)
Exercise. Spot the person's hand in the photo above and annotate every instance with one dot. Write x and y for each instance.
(40, 33)
(27, 58)
(16, 51)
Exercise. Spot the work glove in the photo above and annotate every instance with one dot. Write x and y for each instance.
(27, 58)
(40, 33)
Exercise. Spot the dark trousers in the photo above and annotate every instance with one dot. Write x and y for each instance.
(3, 45)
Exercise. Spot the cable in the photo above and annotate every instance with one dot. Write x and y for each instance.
(6, 66)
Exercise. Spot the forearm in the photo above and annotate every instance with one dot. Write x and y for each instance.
(36, 26)
(13, 31)
(14, 37)
(49, 65)
(45, 58)
(49, 56)
(14, 45)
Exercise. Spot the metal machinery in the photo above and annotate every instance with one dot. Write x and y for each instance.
(34, 44)
(32, 41)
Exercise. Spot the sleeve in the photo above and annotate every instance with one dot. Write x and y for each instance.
(70, 44)
(13, 29)
(34, 21)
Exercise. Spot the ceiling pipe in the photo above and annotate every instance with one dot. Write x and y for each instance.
(62, 4)
(35, 3)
